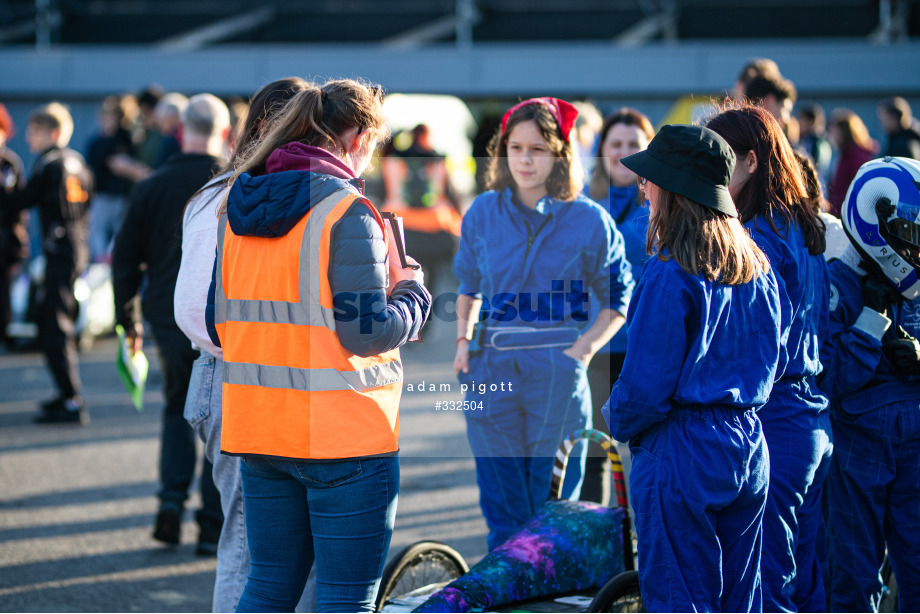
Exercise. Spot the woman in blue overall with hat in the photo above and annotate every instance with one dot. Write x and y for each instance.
(702, 354)
(530, 248)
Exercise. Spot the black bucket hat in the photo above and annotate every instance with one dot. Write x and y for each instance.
(689, 160)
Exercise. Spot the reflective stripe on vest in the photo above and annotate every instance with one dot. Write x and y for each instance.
(290, 388)
(285, 312)
(307, 380)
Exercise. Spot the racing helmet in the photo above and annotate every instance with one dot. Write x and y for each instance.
(881, 216)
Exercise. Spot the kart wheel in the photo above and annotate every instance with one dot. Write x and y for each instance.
(620, 594)
(420, 565)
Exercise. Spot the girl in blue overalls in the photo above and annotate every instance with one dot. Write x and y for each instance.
(769, 191)
(530, 248)
(702, 354)
(613, 186)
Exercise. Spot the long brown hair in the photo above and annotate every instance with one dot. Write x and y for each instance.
(852, 130)
(703, 241)
(815, 199)
(600, 178)
(566, 178)
(777, 187)
(264, 106)
(317, 116)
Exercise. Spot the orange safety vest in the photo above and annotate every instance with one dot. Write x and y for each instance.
(430, 220)
(290, 389)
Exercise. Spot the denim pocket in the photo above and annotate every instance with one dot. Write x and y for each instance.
(328, 474)
(198, 401)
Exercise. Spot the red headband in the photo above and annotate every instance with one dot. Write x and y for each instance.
(564, 112)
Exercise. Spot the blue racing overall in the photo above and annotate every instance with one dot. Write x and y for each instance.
(532, 269)
(874, 482)
(796, 424)
(701, 359)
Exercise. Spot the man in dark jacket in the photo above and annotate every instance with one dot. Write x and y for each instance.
(899, 125)
(151, 239)
(61, 187)
(13, 236)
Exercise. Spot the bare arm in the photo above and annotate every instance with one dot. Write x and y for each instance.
(604, 328)
(125, 166)
(466, 305)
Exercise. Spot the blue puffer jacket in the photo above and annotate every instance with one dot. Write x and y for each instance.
(270, 205)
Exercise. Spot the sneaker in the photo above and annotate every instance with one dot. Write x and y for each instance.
(53, 404)
(62, 411)
(208, 537)
(168, 525)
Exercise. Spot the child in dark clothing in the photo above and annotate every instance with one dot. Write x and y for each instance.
(61, 187)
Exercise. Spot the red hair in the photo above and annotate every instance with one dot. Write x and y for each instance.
(6, 122)
(777, 187)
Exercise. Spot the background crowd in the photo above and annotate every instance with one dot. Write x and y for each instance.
(122, 205)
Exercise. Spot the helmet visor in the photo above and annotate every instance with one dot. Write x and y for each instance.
(903, 233)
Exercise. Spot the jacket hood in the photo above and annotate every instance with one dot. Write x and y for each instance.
(299, 177)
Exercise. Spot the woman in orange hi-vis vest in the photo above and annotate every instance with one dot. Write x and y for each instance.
(310, 329)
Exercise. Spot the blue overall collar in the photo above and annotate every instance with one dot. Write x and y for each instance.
(545, 206)
(624, 194)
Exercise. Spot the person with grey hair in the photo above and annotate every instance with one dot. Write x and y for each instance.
(151, 238)
(168, 117)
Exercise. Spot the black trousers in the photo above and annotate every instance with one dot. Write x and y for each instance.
(177, 451)
(6, 314)
(57, 316)
(603, 371)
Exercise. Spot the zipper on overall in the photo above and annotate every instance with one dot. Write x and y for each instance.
(531, 237)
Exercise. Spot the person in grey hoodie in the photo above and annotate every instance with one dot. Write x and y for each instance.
(205, 394)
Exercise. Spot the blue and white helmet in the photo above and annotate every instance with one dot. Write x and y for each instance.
(881, 215)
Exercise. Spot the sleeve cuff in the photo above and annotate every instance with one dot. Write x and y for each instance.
(622, 307)
(469, 290)
(872, 322)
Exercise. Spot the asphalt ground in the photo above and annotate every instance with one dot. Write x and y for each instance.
(77, 504)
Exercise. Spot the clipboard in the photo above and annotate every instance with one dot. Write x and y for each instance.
(399, 235)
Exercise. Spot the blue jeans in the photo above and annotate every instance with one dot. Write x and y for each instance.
(105, 218)
(340, 513)
(203, 412)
